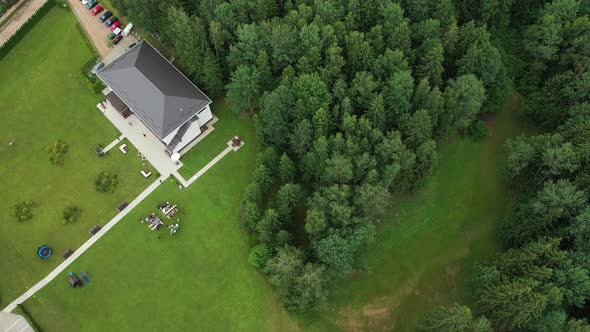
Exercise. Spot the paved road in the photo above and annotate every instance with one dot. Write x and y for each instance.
(19, 19)
(58, 270)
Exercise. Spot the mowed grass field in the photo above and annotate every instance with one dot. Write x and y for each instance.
(429, 240)
(43, 99)
(196, 280)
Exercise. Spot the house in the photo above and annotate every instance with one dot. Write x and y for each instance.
(143, 82)
(10, 322)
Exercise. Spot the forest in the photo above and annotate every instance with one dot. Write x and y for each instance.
(351, 100)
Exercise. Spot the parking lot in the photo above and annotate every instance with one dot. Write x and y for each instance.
(98, 32)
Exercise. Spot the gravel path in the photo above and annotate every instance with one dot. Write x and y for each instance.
(10, 10)
(19, 19)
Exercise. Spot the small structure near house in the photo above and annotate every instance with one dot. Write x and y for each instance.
(10, 322)
(44, 252)
(146, 173)
(124, 148)
(122, 206)
(236, 142)
(67, 254)
(99, 151)
(85, 277)
(95, 230)
(75, 280)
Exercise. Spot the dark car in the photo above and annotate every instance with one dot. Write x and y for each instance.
(91, 4)
(110, 21)
(117, 39)
(105, 16)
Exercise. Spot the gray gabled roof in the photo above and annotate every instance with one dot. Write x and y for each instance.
(158, 93)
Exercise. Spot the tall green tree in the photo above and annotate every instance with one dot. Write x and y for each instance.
(244, 89)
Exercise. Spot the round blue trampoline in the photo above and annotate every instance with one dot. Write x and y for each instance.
(44, 252)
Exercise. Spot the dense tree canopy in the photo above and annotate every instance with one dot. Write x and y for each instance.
(351, 99)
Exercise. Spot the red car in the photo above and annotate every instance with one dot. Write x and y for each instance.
(115, 25)
(96, 10)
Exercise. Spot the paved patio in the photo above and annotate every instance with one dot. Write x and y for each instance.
(142, 138)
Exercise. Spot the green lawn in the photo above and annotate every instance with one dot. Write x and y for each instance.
(43, 99)
(198, 279)
(428, 241)
(228, 126)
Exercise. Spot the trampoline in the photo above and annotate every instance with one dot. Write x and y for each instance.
(44, 252)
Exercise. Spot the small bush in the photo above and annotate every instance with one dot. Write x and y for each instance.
(57, 152)
(71, 214)
(259, 254)
(106, 182)
(23, 210)
(479, 130)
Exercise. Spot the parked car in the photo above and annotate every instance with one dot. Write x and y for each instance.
(111, 35)
(110, 21)
(96, 10)
(130, 46)
(97, 67)
(91, 4)
(105, 16)
(115, 25)
(85, 2)
(117, 39)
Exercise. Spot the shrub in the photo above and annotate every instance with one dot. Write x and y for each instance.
(479, 130)
(71, 214)
(23, 210)
(106, 182)
(57, 152)
(259, 254)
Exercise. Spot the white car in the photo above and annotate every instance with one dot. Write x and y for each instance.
(85, 2)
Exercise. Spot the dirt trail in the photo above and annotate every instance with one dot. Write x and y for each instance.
(19, 19)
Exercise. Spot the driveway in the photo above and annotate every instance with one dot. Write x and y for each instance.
(98, 32)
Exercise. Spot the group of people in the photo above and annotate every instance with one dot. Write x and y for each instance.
(169, 210)
(153, 221)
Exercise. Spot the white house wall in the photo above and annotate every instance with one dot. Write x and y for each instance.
(191, 133)
(205, 116)
(170, 136)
